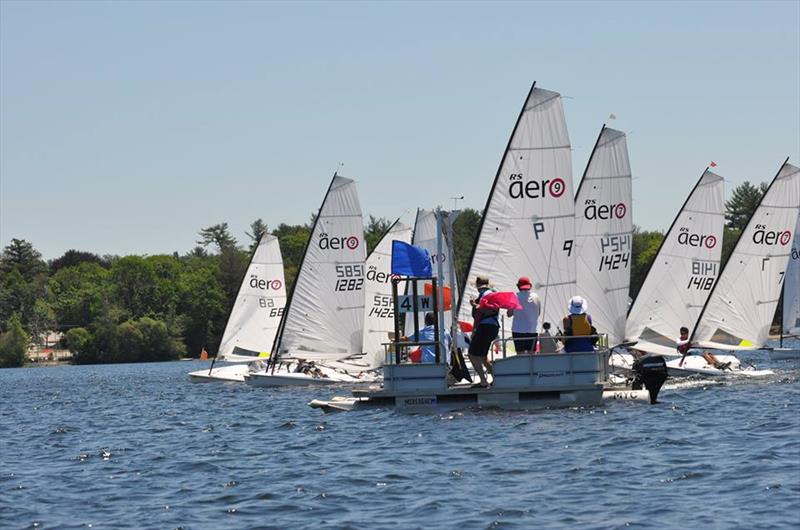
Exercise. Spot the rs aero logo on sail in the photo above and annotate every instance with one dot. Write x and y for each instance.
(604, 211)
(327, 242)
(265, 285)
(762, 236)
(686, 237)
(519, 188)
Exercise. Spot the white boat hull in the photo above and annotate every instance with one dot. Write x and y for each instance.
(286, 376)
(234, 373)
(784, 354)
(697, 365)
(265, 380)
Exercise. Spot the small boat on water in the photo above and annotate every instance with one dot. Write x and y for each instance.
(341, 308)
(790, 322)
(739, 311)
(254, 318)
(679, 281)
(519, 382)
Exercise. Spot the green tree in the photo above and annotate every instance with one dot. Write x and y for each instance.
(17, 295)
(465, 234)
(257, 229)
(293, 240)
(159, 342)
(374, 231)
(743, 202)
(72, 257)
(13, 344)
(218, 235)
(42, 320)
(130, 343)
(133, 284)
(198, 252)
(79, 293)
(202, 306)
(645, 247)
(78, 340)
(21, 255)
(729, 239)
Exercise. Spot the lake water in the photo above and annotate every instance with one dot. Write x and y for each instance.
(140, 446)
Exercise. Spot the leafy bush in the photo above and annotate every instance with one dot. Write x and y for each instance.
(13, 344)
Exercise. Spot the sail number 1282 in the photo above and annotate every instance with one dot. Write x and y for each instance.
(349, 277)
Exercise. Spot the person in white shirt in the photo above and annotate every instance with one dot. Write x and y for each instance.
(526, 320)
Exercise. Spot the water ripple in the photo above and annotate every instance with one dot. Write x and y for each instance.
(139, 446)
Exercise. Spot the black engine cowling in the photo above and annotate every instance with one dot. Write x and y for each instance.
(651, 372)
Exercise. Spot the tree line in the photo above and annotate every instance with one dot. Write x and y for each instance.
(162, 307)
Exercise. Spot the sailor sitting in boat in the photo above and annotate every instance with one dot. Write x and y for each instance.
(428, 334)
(309, 368)
(547, 344)
(684, 347)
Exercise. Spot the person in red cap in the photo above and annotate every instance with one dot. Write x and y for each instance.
(524, 327)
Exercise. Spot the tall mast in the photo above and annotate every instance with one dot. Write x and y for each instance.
(279, 336)
(589, 163)
(666, 237)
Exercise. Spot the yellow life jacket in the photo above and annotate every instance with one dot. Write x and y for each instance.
(580, 325)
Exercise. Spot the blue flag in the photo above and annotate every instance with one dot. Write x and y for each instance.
(408, 260)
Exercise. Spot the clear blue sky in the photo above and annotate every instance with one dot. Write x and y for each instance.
(126, 127)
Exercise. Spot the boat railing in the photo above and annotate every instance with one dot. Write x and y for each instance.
(388, 348)
(600, 348)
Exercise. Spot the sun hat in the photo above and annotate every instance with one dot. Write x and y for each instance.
(577, 305)
(481, 280)
(524, 283)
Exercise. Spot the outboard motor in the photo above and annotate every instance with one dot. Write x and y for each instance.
(651, 372)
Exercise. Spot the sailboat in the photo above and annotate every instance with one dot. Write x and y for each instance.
(254, 318)
(740, 309)
(324, 317)
(378, 305)
(790, 322)
(682, 274)
(528, 226)
(425, 236)
(604, 234)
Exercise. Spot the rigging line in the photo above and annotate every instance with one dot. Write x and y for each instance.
(609, 177)
(544, 148)
(551, 98)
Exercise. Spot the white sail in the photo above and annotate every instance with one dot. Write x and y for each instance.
(528, 226)
(603, 234)
(379, 307)
(683, 271)
(791, 290)
(742, 304)
(325, 314)
(258, 308)
(425, 236)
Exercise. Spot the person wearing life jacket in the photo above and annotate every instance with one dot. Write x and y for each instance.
(428, 334)
(578, 327)
(487, 326)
